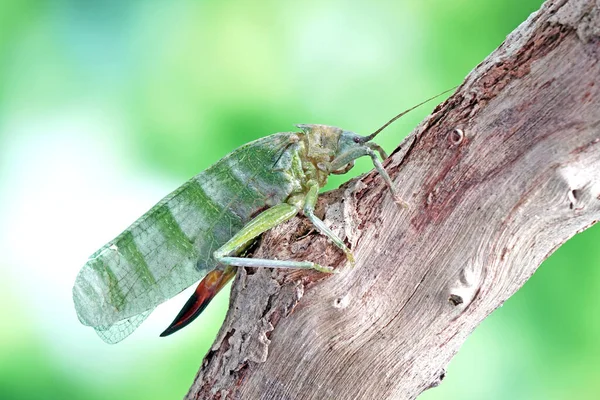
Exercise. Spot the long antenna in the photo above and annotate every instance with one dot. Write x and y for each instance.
(372, 135)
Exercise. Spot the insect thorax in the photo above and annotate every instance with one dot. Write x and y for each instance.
(320, 147)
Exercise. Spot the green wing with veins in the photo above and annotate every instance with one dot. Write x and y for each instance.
(171, 246)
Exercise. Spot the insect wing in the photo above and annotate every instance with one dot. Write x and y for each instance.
(150, 262)
(170, 247)
(121, 329)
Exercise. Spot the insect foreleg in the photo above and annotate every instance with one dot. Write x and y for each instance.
(266, 220)
(368, 149)
(377, 148)
(309, 208)
(379, 167)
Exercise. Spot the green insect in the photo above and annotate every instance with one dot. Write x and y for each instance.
(199, 230)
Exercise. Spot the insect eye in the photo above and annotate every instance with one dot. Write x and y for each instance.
(356, 139)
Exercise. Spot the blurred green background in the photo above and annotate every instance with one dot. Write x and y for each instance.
(105, 107)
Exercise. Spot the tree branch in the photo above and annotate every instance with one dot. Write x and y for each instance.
(498, 177)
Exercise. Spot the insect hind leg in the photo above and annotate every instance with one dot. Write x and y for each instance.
(263, 222)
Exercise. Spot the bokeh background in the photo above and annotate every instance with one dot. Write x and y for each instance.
(105, 107)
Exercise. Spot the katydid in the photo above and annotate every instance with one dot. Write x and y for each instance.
(199, 230)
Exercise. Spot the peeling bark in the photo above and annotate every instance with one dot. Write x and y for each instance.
(498, 177)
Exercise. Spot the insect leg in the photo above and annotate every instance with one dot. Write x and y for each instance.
(377, 148)
(388, 181)
(309, 208)
(369, 149)
(263, 222)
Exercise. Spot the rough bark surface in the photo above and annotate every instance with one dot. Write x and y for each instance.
(498, 177)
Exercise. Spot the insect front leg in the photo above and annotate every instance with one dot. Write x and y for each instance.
(266, 220)
(379, 167)
(368, 149)
(378, 148)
